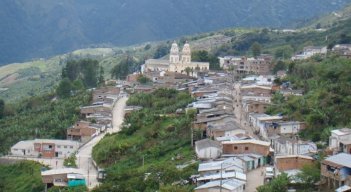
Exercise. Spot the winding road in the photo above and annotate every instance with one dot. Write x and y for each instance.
(84, 154)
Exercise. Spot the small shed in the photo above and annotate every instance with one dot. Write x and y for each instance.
(208, 149)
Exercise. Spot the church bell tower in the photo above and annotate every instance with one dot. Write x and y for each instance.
(174, 54)
(186, 53)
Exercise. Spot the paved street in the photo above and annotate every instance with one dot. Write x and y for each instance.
(84, 159)
(255, 178)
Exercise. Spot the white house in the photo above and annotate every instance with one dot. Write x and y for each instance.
(339, 136)
(258, 121)
(288, 146)
(208, 149)
(47, 148)
(227, 165)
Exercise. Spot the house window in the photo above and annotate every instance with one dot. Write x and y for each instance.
(65, 146)
(246, 148)
(58, 146)
(235, 147)
(71, 147)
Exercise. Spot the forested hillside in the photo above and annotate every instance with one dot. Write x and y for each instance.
(41, 28)
(153, 141)
(326, 103)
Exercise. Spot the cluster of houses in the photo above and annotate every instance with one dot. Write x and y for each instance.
(247, 65)
(225, 150)
(233, 135)
(344, 50)
(95, 119)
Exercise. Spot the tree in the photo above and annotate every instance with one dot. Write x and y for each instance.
(256, 49)
(143, 80)
(187, 70)
(126, 66)
(284, 52)
(2, 108)
(204, 56)
(161, 51)
(310, 174)
(101, 75)
(64, 88)
(280, 65)
(279, 184)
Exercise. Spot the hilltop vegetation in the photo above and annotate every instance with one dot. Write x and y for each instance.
(144, 155)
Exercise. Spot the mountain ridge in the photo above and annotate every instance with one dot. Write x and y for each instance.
(35, 29)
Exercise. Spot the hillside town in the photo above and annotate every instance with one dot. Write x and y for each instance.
(238, 146)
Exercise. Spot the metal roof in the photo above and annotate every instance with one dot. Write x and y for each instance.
(342, 159)
(230, 184)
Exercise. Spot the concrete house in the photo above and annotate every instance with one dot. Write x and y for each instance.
(66, 177)
(336, 170)
(226, 165)
(228, 185)
(208, 149)
(259, 122)
(47, 148)
(287, 128)
(83, 131)
(290, 146)
(224, 130)
(340, 140)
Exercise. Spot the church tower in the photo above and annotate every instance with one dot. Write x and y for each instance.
(174, 54)
(186, 53)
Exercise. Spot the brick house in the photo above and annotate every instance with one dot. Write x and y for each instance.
(82, 131)
(291, 162)
(250, 146)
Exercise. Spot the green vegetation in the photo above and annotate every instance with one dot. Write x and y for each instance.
(278, 184)
(204, 56)
(86, 70)
(68, 189)
(256, 49)
(21, 177)
(326, 100)
(2, 108)
(126, 66)
(40, 117)
(143, 80)
(70, 161)
(144, 155)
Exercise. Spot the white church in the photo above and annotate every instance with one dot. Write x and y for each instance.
(177, 62)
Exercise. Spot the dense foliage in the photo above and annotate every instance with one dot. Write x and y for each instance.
(86, 70)
(278, 184)
(144, 155)
(204, 56)
(125, 67)
(326, 101)
(21, 177)
(40, 117)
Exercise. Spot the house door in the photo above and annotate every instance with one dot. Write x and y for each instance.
(259, 162)
(24, 151)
